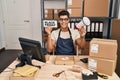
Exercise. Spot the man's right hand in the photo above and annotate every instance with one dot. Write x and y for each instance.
(48, 29)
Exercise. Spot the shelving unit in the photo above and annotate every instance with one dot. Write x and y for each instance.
(103, 22)
(99, 27)
(49, 9)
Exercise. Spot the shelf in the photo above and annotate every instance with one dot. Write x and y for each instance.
(53, 4)
(97, 21)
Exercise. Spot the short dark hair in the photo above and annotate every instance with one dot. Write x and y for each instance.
(63, 12)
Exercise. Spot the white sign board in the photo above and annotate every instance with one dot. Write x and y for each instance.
(52, 23)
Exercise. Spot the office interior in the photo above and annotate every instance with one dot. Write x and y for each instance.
(24, 18)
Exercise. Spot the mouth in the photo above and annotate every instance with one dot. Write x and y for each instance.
(63, 24)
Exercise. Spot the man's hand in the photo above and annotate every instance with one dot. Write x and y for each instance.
(48, 29)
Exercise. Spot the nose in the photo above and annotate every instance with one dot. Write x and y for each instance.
(63, 20)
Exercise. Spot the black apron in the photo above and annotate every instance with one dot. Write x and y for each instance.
(65, 46)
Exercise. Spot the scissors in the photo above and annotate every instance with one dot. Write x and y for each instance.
(57, 74)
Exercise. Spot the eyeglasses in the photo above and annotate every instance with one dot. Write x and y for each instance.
(65, 19)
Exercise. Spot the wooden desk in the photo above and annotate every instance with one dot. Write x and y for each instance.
(48, 69)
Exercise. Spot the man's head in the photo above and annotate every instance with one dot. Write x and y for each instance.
(63, 12)
(64, 18)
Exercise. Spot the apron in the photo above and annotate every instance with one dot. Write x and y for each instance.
(65, 46)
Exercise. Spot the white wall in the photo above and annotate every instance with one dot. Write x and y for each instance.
(36, 19)
(0, 27)
(119, 12)
(2, 39)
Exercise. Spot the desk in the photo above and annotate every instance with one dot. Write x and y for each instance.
(48, 68)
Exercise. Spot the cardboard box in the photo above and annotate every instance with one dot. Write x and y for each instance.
(74, 3)
(100, 65)
(115, 29)
(49, 16)
(75, 12)
(103, 48)
(52, 13)
(23, 77)
(64, 60)
(48, 13)
(115, 34)
(96, 8)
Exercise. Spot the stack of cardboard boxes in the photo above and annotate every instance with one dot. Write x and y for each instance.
(115, 34)
(103, 55)
(48, 13)
(75, 7)
(79, 8)
(51, 13)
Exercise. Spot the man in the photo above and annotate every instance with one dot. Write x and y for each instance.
(64, 40)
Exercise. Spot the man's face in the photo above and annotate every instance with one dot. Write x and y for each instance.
(64, 20)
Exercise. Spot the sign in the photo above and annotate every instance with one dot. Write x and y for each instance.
(52, 23)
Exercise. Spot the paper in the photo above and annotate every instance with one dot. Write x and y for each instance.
(92, 64)
(46, 11)
(55, 11)
(69, 2)
(52, 23)
(94, 48)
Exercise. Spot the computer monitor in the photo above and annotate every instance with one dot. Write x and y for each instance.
(33, 48)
